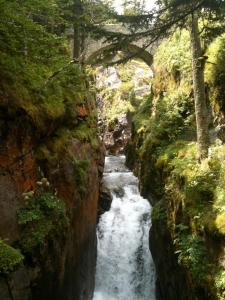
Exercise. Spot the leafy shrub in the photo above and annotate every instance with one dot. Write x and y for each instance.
(175, 54)
(10, 258)
(43, 218)
(173, 116)
(200, 188)
(159, 212)
(192, 254)
(220, 284)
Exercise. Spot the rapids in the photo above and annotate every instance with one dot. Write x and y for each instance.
(125, 270)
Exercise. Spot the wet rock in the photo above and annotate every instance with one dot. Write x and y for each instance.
(105, 200)
(117, 135)
(172, 281)
(4, 290)
(108, 77)
(119, 192)
(19, 283)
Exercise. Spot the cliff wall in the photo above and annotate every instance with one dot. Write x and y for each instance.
(187, 234)
(52, 164)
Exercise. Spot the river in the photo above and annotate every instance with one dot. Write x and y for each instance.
(125, 270)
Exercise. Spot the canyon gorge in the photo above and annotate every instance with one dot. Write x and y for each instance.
(112, 168)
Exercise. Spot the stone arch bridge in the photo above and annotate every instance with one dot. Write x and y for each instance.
(99, 52)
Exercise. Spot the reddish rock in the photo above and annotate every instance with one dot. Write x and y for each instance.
(82, 111)
(72, 274)
(17, 175)
(65, 268)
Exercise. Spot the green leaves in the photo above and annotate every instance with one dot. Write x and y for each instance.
(33, 46)
(42, 218)
(192, 254)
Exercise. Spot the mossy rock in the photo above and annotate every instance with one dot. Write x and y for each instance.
(220, 223)
(10, 258)
(81, 174)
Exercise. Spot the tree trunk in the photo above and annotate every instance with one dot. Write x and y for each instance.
(77, 36)
(201, 111)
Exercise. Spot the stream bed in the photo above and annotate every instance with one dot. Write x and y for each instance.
(125, 269)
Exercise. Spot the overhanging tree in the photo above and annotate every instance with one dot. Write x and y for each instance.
(158, 23)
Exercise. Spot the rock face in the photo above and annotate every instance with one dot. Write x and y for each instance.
(105, 200)
(117, 135)
(64, 269)
(176, 279)
(121, 91)
(172, 282)
(17, 173)
(72, 267)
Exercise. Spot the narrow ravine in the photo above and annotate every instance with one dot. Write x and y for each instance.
(125, 268)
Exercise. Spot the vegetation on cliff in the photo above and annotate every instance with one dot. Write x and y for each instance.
(121, 87)
(47, 108)
(38, 76)
(10, 258)
(43, 218)
(160, 22)
(163, 151)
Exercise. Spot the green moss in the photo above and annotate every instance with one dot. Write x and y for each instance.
(54, 147)
(42, 83)
(215, 73)
(159, 212)
(10, 258)
(43, 218)
(85, 132)
(195, 192)
(46, 101)
(81, 174)
(142, 116)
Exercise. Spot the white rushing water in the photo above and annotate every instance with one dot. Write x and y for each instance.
(125, 269)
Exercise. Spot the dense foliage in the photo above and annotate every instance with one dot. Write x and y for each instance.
(32, 49)
(163, 152)
(42, 219)
(215, 73)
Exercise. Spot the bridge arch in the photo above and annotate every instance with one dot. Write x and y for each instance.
(106, 53)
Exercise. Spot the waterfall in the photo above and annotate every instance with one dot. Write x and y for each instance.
(125, 269)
